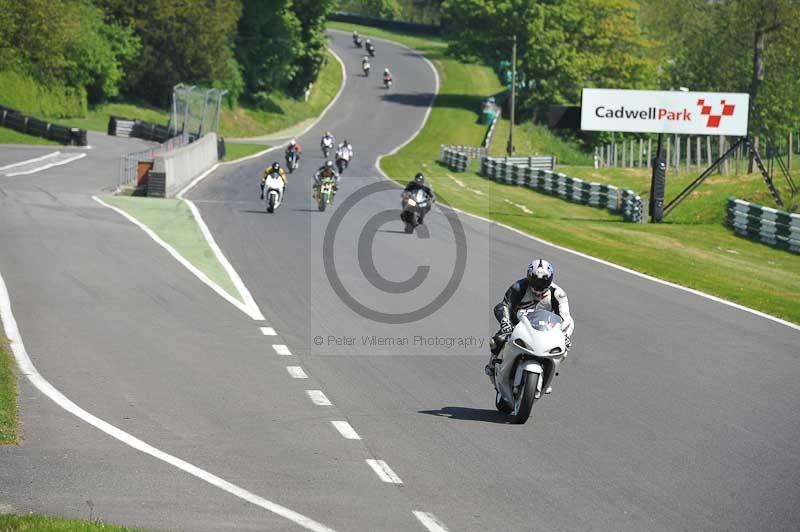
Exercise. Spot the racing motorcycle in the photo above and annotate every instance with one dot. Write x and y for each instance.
(324, 196)
(371, 49)
(292, 161)
(365, 67)
(529, 360)
(327, 146)
(415, 205)
(357, 41)
(273, 192)
(342, 160)
(387, 82)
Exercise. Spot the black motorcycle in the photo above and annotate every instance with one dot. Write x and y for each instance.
(357, 41)
(292, 161)
(371, 49)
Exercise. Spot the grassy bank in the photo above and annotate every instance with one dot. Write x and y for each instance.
(38, 523)
(694, 249)
(235, 151)
(10, 136)
(9, 431)
(277, 112)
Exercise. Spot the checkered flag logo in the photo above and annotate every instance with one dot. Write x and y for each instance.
(714, 119)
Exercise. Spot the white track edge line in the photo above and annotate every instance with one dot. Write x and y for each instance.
(247, 298)
(29, 161)
(29, 370)
(47, 166)
(429, 521)
(383, 471)
(180, 258)
(281, 349)
(568, 250)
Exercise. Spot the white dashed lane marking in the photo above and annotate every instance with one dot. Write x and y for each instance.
(296, 372)
(281, 349)
(318, 398)
(384, 472)
(346, 430)
(268, 331)
(430, 522)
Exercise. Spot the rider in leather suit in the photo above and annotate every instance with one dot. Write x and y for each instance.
(536, 290)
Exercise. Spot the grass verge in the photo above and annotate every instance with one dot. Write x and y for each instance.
(39, 523)
(694, 249)
(9, 426)
(234, 151)
(279, 111)
(10, 136)
(173, 222)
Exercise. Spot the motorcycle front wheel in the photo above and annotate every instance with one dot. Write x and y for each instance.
(527, 396)
(271, 203)
(501, 405)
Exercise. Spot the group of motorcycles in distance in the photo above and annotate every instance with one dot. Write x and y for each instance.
(365, 65)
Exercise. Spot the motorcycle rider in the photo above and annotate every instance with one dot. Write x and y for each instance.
(275, 168)
(369, 46)
(346, 147)
(327, 140)
(417, 184)
(365, 65)
(535, 290)
(293, 147)
(326, 170)
(387, 76)
(356, 39)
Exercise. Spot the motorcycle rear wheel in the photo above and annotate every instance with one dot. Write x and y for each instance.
(528, 391)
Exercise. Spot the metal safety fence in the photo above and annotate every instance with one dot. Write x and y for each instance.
(779, 229)
(457, 158)
(616, 200)
(129, 168)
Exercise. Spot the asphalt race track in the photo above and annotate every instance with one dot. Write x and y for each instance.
(673, 411)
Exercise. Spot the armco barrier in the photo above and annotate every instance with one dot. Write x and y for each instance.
(614, 199)
(17, 121)
(182, 165)
(779, 229)
(453, 159)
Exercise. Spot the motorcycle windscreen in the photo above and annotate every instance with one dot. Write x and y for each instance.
(543, 320)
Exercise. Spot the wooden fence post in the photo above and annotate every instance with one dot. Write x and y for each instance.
(649, 152)
(640, 152)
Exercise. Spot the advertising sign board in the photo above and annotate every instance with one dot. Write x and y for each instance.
(686, 113)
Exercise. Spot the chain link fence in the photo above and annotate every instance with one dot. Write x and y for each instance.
(195, 110)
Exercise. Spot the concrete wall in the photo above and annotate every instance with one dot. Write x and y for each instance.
(181, 166)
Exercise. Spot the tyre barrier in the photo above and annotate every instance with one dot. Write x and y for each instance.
(17, 121)
(614, 199)
(130, 127)
(457, 158)
(779, 229)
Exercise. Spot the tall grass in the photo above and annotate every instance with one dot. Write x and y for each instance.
(25, 94)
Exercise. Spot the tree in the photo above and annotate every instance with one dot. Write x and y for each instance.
(312, 44)
(388, 9)
(182, 41)
(266, 45)
(563, 46)
(735, 46)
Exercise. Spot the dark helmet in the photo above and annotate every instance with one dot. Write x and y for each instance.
(419, 178)
(276, 166)
(540, 275)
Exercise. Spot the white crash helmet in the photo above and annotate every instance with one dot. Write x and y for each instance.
(540, 276)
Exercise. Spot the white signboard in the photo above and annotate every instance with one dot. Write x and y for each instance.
(687, 113)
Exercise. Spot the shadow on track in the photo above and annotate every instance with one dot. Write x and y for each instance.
(469, 414)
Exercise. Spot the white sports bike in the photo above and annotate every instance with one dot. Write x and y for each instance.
(273, 192)
(528, 362)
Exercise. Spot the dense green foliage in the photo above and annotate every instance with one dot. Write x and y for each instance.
(712, 46)
(65, 43)
(95, 50)
(418, 11)
(51, 100)
(561, 46)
